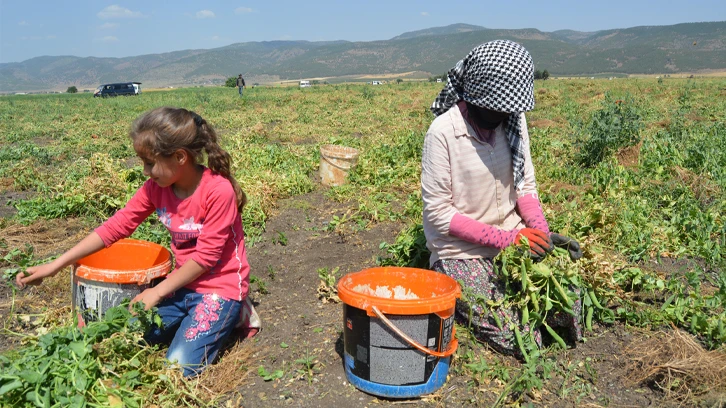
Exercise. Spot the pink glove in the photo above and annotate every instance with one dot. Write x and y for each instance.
(471, 230)
(530, 210)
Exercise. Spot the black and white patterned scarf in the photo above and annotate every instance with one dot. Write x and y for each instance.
(497, 75)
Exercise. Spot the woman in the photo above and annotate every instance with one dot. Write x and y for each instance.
(478, 183)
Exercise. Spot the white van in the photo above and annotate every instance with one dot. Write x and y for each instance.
(304, 84)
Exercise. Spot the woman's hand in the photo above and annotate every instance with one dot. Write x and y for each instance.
(150, 297)
(35, 274)
(540, 243)
(572, 246)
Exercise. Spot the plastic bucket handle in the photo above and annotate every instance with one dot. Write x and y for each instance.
(453, 344)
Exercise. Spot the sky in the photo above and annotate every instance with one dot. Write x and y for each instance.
(121, 28)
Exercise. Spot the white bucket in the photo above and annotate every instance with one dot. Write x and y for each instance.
(335, 164)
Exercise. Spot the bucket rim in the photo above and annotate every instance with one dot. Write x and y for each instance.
(441, 303)
(139, 276)
(339, 151)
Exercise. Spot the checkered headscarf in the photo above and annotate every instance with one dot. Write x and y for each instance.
(497, 75)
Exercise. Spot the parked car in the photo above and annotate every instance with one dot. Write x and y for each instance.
(122, 88)
(304, 84)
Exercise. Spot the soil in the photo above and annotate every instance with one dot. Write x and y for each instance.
(298, 324)
(6, 199)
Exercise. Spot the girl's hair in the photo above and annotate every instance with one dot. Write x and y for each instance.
(163, 131)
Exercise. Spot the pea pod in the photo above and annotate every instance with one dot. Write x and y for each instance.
(520, 343)
(595, 302)
(588, 319)
(523, 273)
(535, 301)
(561, 291)
(525, 314)
(555, 336)
(568, 310)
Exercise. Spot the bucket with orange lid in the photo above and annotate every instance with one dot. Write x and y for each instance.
(398, 329)
(123, 270)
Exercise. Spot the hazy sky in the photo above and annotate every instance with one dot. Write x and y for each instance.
(120, 28)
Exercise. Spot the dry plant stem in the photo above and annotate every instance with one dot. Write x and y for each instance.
(679, 365)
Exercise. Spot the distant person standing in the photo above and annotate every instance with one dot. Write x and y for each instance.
(240, 84)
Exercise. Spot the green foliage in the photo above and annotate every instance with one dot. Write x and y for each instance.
(105, 363)
(267, 376)
(308, 366)
(616, 125)
(541, 74)
(543, 289)
(19, 260)
(408, 250)
(231, 82)
(678, 300)
(71, 90)
(260, 284)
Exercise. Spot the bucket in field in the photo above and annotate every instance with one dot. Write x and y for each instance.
(398, 330)
(123, 270)
(335, 164)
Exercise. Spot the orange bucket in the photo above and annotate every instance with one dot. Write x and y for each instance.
(399, 329)
(123, 270)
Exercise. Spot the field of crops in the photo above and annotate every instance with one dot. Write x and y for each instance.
(634, 168)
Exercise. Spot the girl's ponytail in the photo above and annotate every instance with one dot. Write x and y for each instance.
(219, 160)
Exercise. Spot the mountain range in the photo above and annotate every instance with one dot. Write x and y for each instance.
(673, 49)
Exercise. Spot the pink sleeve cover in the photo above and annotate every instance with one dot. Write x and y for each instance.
(471, 230)
(530, 210)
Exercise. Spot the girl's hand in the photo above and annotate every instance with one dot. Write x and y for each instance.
(150, 297)
(35, 274)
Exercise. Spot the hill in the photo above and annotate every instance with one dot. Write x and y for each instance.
(689, 47)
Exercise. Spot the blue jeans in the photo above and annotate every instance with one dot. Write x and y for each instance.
(240, 90)
(196, 326)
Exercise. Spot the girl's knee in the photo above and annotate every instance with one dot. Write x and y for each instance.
(183, 360)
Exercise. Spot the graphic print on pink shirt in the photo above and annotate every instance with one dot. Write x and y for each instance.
(164, 216)
(186, 234)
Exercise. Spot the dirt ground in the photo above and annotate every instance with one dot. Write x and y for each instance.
(298, 325)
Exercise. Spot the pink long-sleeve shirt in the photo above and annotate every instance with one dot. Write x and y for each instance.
(205, 227)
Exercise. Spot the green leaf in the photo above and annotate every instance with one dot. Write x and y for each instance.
(31, 377)
(284, 345)
(79, 348)
(10, 386)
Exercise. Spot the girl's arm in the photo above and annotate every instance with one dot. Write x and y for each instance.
(89, 245)
(188, 273)
(120, 225)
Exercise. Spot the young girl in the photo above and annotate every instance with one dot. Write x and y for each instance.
(202, 299)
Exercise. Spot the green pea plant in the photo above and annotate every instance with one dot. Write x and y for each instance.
(543, 289)
(19, 259)
(105, 363)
